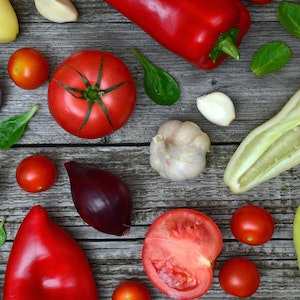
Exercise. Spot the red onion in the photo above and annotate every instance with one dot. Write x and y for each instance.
(101, 198)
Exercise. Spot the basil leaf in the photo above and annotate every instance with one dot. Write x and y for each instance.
(270, 58)
(13, 128)
(159, 85)
(289, 17)
(2, 232)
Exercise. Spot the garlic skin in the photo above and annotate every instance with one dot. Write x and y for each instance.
(216, 107)
(58, 11)
(178, 151)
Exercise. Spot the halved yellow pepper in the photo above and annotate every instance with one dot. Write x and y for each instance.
(9, 24)
(267, 151)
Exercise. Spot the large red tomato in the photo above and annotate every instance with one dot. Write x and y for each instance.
(131, 290)
(179, 252)
(252, 225)
(91, 94)
(28, 68)
(239, 277)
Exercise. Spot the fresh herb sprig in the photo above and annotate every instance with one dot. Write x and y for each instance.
(159, 85)
(13, 128)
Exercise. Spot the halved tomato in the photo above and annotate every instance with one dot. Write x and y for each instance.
(179, 253)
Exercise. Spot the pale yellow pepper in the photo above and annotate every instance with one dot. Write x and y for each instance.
(268, 150)
(296, 234)
(9, 24)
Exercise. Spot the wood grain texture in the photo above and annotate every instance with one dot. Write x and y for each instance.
(126, 152)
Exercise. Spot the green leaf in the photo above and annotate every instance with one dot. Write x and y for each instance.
(2, 232)
(159, 85)
(270, 58)
(289, 17)
(13, 128)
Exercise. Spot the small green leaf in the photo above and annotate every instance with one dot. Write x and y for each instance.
(159, 85)
(13, 128)
(2, 232)
(289, 17)
(270, 58)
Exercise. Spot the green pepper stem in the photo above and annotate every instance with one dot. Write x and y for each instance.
(226, 44)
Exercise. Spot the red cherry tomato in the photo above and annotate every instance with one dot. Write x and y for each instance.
(252, 225)
(131, 290)
(28, 68)
(36, 173)
(179, 253)
(101, 103)
(261, 2)
(239, 277)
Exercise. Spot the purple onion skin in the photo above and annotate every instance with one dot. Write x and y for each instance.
(101, 198)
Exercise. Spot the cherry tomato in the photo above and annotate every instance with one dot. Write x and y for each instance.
(239, 277)
(102, 102)
(261, 2)
(28, 68)
(179, 253)
(252, 225)
(131, 290)
(36, 173)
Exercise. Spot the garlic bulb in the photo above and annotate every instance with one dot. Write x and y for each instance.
(216, 107)
(59, 11)
(178, 151)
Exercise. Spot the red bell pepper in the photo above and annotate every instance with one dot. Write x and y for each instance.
(204, 32)
(46, 263)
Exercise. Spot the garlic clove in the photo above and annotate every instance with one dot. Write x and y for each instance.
(58, 11)
(216, 107)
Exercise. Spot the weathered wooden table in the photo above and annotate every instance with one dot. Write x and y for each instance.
(126, 152)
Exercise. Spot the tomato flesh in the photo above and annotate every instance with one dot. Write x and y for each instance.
(94, 109)
(252, 225)
(179, 251)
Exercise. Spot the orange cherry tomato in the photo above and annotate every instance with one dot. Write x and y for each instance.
(28, 68)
